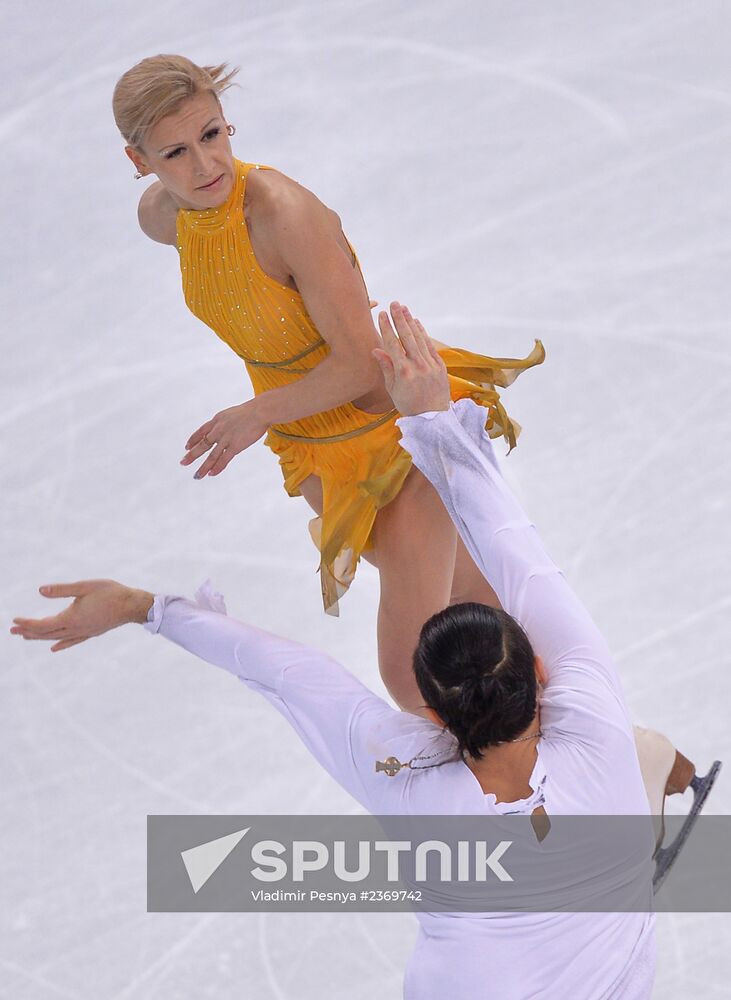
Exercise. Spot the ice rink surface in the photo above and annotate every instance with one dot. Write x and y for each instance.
(511, 171)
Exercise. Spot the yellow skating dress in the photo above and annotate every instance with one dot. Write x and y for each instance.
(356, 454)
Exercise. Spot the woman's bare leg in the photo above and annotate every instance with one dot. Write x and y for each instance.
(415, 545)
(311, 489)
(417, 579)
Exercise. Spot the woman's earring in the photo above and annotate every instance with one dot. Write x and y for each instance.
(137, 175)
(231, 129)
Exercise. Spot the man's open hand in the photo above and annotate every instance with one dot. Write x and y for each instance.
(413, 370)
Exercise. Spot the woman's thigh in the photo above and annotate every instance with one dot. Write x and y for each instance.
(415, 543)
(311, 490)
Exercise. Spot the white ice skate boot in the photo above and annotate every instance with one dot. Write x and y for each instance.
(665, 771)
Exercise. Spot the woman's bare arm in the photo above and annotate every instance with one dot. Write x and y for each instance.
(304, 235)
(156, 213)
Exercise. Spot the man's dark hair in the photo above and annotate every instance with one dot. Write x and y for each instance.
(475, 667)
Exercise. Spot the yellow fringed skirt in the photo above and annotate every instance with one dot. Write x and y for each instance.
(362, 466)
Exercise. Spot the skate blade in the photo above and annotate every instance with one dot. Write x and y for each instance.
(665, 857)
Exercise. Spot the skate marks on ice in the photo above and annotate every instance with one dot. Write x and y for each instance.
(619, 133)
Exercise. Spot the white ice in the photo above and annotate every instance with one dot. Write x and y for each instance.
(511, 171)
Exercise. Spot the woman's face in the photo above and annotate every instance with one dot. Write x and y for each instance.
(187, 150)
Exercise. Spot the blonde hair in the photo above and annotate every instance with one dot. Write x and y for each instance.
(157, 86)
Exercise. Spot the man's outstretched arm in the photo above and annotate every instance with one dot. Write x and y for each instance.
(450, 446)
(342, 723)
(452, 449)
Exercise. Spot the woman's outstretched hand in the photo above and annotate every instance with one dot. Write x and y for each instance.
(414, 373)
(228, 433)
(98, 606)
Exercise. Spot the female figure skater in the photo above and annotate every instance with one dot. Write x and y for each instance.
(267, 266)
(526, 707)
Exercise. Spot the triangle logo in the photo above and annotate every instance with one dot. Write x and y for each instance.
(202, 861)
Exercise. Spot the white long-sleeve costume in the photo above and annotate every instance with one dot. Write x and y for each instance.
(586, 765)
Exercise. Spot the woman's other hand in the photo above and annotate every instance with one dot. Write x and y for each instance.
(229, 432)
(98, 606)
(414, 373)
